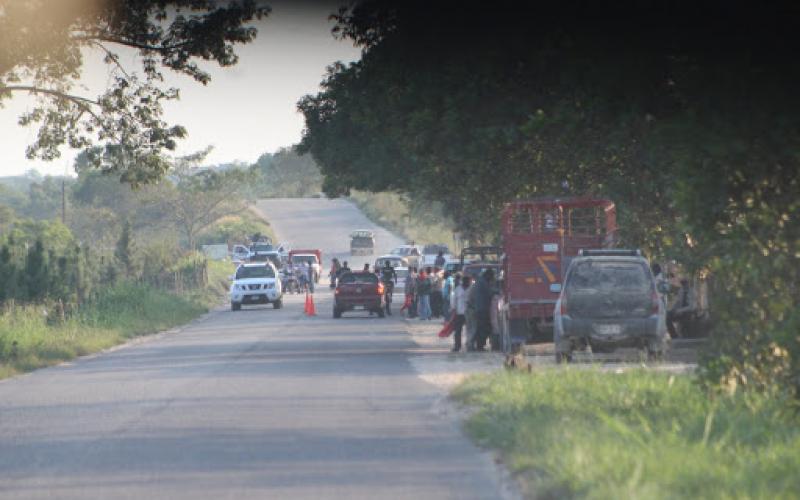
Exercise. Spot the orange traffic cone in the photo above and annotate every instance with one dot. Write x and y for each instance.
(305, 308)
(311, 309)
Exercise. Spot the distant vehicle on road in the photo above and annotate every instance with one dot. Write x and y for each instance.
(362, 242)
(240, 253)
(393, 260)
(431, 251)
(259, 250)
(475, 260)
(412, 254)
(452, 265)
(540, 238)
(256, 283)
(302, 257)
(609, 300)
(358, 291)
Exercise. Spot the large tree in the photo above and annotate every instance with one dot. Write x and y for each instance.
(686, 114)
(42, 50)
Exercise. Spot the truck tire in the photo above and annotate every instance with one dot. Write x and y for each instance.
(381, 313)
(277, 304)
(337, 313)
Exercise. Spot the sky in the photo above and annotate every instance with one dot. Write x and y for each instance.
(245, 111)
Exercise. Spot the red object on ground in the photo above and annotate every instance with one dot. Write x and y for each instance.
(447, 330)
(306, 251)
(310, 310)
(407, 303)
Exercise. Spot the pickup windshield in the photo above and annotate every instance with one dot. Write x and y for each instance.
(361, 278)
(359, 241)
(245, 272)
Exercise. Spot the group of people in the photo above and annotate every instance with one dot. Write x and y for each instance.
(431, 293)
(300, 275)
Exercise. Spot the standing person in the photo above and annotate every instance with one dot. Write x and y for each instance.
(411, 291)
(366, 267)
(447, 290)
(484, 290)
(334, 271)
(681, 311)
(424, 296)
(310, 276)
(436, 293)
(344, 269)
(470, 317)
(440, 260)
(460, 310)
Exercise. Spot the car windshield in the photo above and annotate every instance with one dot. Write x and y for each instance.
(599, 277)
(246, 272)
(302, 259)
(359, 241)
(261, 248)
(366, 278)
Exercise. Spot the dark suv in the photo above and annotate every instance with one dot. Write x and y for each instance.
(609, 300)
(358, 291)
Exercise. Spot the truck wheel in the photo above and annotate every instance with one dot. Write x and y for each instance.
(277, 304)
(381, 313)
(235, 306)
(337, 313)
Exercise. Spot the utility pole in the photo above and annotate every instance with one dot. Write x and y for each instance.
(64, 196)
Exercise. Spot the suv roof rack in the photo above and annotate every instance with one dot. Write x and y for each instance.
(610, 252)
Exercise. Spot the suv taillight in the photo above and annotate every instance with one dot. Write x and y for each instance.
(655, 302)
(380, 289)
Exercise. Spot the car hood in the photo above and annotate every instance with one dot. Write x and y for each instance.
(253, 281)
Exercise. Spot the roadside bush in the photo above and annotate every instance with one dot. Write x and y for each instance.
(236, 230)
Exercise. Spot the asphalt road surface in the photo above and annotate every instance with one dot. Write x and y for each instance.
(259, 403)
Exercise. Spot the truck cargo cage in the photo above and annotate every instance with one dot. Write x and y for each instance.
(609, 252)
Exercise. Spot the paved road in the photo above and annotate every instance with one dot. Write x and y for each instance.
(260, 403)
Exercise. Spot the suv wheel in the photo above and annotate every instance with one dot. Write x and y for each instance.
(235, 306)
(381, 313)
(277, 304)
(337, 313)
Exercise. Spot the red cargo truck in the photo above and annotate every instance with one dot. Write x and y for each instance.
(311, 256)
(540, 238)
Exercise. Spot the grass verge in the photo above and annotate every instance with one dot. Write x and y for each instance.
(591, 434)
(31, 338)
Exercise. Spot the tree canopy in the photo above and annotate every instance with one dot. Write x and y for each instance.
(42, 50)
(685, 114)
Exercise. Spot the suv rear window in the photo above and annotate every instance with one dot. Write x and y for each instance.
(366, 278)
(245, 272)
(605, 276)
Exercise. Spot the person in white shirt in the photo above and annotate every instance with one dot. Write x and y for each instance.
(460, 307)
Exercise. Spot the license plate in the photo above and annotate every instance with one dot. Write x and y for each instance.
(358, 308)
(608, 329)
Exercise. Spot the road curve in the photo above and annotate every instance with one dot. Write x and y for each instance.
(260, 403)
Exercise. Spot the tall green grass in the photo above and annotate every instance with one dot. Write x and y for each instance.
(33, 336)
(591, 434)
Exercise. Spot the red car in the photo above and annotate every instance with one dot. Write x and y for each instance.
(358, 291)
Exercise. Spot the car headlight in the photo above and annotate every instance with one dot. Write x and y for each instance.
(241, 287)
